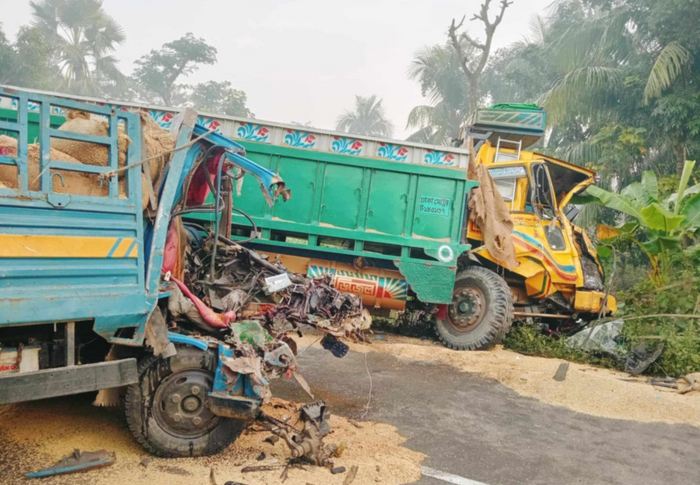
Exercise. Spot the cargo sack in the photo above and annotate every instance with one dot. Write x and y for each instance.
(157, 146)
(68, 182)
(90, 153)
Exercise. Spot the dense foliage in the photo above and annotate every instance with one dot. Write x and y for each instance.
(618, 78)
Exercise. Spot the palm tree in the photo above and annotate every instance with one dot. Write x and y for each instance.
(367, 118)
(436, 68)
(613, 67)
(84, 38)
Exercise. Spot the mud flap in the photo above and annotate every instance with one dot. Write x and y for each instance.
(432, 282)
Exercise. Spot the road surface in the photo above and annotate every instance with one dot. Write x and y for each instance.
(474, 429)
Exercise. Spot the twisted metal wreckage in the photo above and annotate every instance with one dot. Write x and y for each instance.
(230, 296)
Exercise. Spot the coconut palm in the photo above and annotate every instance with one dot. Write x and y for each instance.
(436, 68)
(619, 67)
(367, 118)
(83, 38)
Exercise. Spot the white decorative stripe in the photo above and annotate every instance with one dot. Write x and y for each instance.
(283, 134)
(448, 477)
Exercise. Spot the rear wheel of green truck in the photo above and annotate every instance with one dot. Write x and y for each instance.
(481, 311)
(167, 412)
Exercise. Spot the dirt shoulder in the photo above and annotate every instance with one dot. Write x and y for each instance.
(35, 435)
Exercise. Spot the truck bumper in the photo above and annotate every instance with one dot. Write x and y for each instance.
(592, 302)
(64, 381)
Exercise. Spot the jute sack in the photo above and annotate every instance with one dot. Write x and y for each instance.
(90, 153)
(158, 144)
(68, 182)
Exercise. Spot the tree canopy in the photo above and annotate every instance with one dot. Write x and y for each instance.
(158, 71)
(618, 78)
(81, 38)
(366, 118)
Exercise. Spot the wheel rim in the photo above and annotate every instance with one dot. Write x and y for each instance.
(467, 309)
(179, 404)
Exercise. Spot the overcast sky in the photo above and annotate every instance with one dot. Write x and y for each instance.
(302, 60)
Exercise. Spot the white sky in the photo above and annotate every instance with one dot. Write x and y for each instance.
(302, 60)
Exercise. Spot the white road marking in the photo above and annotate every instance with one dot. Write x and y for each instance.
(448, 477)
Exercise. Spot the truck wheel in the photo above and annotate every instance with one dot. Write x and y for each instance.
(166, 410)
(481, 311)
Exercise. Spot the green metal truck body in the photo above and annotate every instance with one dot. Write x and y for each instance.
(390, 214)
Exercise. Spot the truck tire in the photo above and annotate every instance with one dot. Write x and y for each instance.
(481, 311)
(166, 410)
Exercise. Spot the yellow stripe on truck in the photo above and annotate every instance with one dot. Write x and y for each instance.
(53, 246)
(123, 247)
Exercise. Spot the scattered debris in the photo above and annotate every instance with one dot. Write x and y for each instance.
(606, 338)
(307, 443)
(77, 461)
(689, 383)
(260, 468)
(560, 374)
(351, 475)
(683, 385)
(642, 356)
(599, 338)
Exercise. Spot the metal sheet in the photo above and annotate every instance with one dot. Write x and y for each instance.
(64, 381)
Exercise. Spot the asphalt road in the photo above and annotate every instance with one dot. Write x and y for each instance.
(475, 428)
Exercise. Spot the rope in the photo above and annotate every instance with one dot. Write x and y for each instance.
(112, 173)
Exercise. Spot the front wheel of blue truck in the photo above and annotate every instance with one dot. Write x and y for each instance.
(166, 410)
(481, 311)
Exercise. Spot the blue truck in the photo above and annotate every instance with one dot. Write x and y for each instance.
(82, 273)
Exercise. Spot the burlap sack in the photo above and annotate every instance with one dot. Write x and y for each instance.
(67, 182)
(156, 141)
(90, 153)
(158, 144)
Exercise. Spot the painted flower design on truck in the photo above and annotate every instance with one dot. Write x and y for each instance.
(299, 139)
(392, 152)
(163, 118)
(434, 157)
(210, 124)
(346, 146)
(254, 132)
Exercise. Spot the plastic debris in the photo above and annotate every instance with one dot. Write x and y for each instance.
(77, 461)
(599, 338)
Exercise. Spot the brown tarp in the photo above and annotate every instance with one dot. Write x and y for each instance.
(491, 215)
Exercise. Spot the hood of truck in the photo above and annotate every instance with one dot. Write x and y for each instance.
(568, 179)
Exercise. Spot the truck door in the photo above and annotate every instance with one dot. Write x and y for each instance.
(553, 232)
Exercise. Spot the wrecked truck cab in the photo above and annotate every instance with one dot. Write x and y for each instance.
(553, 271)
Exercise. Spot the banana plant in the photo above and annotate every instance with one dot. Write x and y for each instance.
(659, 226)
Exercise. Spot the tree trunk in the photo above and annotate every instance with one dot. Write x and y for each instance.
(680, 154)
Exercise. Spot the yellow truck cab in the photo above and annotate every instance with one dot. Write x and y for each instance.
(556, 276)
